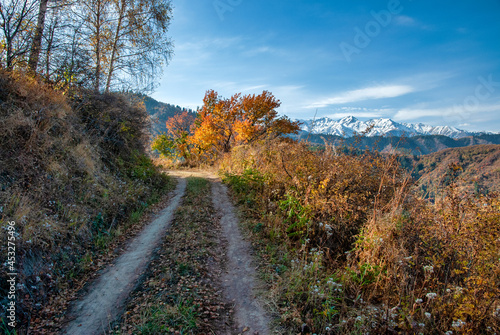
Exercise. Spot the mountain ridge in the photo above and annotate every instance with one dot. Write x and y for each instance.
(350, 126)
(160, 112)
(415, 145)
(479, 169)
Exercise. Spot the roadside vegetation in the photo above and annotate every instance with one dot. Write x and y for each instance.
(350, 248)
(75, 178)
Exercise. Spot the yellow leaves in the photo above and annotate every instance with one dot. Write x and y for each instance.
(124, 127)
(244, 131)
(324, 183)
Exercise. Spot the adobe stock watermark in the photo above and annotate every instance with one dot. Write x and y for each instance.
(373, 28)
(484, 90)
(224, 6)
(11, 265)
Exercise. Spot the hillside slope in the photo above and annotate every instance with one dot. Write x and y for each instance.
(160, 112)
(73, 173)
(479, 169)
(416, 145)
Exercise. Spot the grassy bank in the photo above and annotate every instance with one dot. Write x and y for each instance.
(75, 177)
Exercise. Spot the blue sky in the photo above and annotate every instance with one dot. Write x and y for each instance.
(435, 62)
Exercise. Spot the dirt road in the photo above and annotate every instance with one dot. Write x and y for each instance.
(107, 295)
(106, 298)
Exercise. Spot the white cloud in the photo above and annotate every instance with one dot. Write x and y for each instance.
(455, 113)
(404, 20)
(369, 93)
(209, 44)
(253, 88)
(368, 115)
(360, 112)
(259, 51)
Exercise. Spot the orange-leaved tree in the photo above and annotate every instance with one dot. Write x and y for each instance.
(213, 130)
(223, 123)
(179, 125)
(174, 143)
(179, 128)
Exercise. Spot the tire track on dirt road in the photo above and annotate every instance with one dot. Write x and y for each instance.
(239, 281)
(105, 299)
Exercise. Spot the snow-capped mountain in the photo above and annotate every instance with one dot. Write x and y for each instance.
(349, 126)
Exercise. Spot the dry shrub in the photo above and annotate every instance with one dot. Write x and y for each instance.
(324, 196)
(116, 123)
(369, 256)
(438, 264)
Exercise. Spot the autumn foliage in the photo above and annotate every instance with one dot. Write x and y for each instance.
(222, 124)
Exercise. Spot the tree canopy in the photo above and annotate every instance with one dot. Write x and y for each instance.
(99, 44)
(224, 123)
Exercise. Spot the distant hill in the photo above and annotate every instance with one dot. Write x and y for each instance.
(479, 173)
(416, 145)
(160, 112)
(350, 126)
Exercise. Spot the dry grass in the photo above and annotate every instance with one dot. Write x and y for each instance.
(322, 196)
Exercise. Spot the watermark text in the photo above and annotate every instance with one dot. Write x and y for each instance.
(224, 6)
(11, 274)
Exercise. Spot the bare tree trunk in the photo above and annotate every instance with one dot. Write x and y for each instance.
(37, 39)
(50, 42)
(98, 47)
(114, 52)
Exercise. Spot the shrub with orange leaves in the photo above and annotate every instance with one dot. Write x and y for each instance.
(179, 126)
(174, 143)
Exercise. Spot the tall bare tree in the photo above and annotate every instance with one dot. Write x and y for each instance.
(37, 39)
(121, 9)
(140, 45)
(16, 17)
(98, 23)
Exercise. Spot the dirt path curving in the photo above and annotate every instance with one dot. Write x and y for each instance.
(239, 281)
(106, 297)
